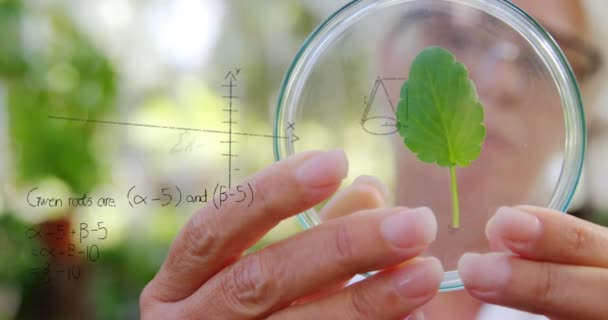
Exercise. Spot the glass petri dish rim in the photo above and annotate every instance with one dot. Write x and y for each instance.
(542, 42)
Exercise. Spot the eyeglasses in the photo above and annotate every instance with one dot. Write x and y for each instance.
(486, 38)
(584, 59)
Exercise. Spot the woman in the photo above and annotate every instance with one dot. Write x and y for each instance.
(546, 263)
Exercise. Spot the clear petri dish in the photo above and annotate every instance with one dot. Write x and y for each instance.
(343, 88)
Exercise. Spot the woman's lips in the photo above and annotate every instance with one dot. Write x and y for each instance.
(497, 142)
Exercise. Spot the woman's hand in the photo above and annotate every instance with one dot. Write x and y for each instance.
(206, 276)
(557, 265)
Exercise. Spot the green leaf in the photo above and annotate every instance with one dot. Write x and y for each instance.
(440, 117)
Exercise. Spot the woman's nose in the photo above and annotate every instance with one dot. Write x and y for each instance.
(500, 80)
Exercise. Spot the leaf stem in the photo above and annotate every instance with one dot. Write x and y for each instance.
(455, 204)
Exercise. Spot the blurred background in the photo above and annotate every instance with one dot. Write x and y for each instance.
(146, 72)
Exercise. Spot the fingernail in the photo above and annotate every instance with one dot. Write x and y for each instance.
(485, 274)
(420, 279)
(497, 245)
(374, 182)
(324, 169)
(416, 315)
(516, 227)
(411, 228)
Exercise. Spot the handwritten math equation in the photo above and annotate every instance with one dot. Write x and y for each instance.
(59, 233)
(134, 196)
(66, 245)
(52, 272)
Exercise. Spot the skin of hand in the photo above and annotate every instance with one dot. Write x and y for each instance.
(548, 263)
(207, 276)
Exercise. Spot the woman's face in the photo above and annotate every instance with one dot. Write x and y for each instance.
(523, 116)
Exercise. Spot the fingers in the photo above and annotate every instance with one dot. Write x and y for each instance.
(214, 237)
(556, 265)
(276, 276)
(366, 192)
(551, 289)
(392, 294)
(546, 235)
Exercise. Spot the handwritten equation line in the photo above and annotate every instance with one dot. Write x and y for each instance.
(153, 126)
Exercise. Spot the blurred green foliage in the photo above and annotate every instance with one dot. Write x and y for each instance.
(63, 74)
(12, 64)
(119, 278)
(69, 77)
(15, 249)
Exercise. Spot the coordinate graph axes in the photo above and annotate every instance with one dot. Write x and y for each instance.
(293, 138)
(229, 107)
(231, 98)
